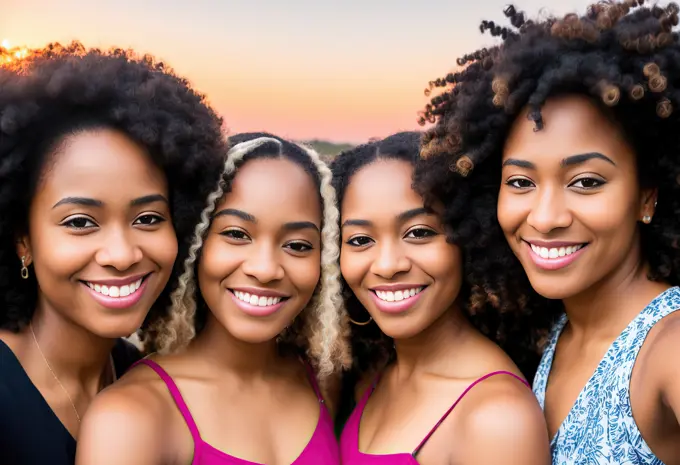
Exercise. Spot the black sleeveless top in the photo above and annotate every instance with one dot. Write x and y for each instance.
(30, 432)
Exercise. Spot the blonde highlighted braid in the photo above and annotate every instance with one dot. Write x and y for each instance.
(322, 328)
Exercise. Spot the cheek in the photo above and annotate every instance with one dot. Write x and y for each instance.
(218, 261)
(442, 261)
(58, 255)
(353, 266)
(161, 247)
(304, 274)
(609, 213)
(511, 210)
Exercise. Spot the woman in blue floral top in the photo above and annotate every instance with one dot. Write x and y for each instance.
(579, 120)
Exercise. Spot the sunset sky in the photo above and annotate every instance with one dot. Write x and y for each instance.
(337, 70)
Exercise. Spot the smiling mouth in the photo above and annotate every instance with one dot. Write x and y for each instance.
(116, 291)
(257, 300)
(556, 252)
(397, 296)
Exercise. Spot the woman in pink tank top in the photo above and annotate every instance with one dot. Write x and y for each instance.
(255, 321)
(433, 389)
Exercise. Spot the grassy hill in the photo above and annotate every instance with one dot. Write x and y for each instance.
(326, 149)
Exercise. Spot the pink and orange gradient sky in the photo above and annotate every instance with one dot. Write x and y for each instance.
(342, 71)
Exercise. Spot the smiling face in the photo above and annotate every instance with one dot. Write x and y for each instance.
(260, 262)
(100, 238)
(394, 256)
(570, 203)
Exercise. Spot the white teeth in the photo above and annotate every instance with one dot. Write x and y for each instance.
(544, 252)
(258, 301)
(116, 291)
(389, 296)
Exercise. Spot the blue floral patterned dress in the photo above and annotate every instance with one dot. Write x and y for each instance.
(600, 428)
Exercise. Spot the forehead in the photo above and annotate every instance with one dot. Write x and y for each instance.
(275, 188)
(101, 163)
(572, 125)
(381, 186)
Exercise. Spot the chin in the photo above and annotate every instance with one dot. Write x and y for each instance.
(255, 335)
(399, 329)
(114, 330)
(555, 288)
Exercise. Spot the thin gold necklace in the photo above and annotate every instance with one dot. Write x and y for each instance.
(113, 372)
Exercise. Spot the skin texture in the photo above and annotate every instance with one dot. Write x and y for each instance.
(379, 248)
(601, 203)
(70, 243)
(439, 353)
(242, 253)
(233, 364)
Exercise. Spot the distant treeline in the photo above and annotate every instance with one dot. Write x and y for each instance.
(326, 149)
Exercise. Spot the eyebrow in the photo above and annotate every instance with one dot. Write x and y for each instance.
(237, 213)
(147, 199)
(569, 161)
(88, 202)
(404, 216)
(292, 226)
(298, 225)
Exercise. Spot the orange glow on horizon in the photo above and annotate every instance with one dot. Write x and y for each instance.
(10, 56)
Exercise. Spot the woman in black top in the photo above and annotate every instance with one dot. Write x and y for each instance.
(105, 162)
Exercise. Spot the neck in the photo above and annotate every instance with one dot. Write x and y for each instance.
(220, 348)
(75, 354)
(605, 309)
(434, 349)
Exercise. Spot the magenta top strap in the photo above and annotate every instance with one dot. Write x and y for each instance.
(176, 396)
(313, 381)
(448, 412)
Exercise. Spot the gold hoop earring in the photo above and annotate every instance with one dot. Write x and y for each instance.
(364, 323)
(24, 270)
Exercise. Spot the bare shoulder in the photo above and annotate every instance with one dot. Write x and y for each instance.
(127, 422)
(499, 415)
(661, 367)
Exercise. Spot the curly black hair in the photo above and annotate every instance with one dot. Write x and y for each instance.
(62, 90)
(371, 348)
(624, 56)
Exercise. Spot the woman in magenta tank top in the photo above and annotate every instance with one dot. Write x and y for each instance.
(254, 330)
(432, 390)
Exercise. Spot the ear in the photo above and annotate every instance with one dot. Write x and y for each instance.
(23, 247)
(648, 200)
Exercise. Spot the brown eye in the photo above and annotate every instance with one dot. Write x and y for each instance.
(149, 220)
(587, 183)
(420, 233)
(235, 234)
(79, 222)
(359, 241)
(299, 247)
(520, 183)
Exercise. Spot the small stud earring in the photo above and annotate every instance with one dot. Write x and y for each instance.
(646, 219)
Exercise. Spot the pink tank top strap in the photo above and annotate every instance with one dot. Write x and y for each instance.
(176, 396)
(468, 389)
(312, 380)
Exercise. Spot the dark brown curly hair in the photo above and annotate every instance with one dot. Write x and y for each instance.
(625, 56)
(60, 90)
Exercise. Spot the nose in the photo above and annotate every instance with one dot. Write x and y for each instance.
(390, 261)
(263, 264)
(120, 250)
(549, 211)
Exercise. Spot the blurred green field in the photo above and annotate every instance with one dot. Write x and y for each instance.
(327, 150)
